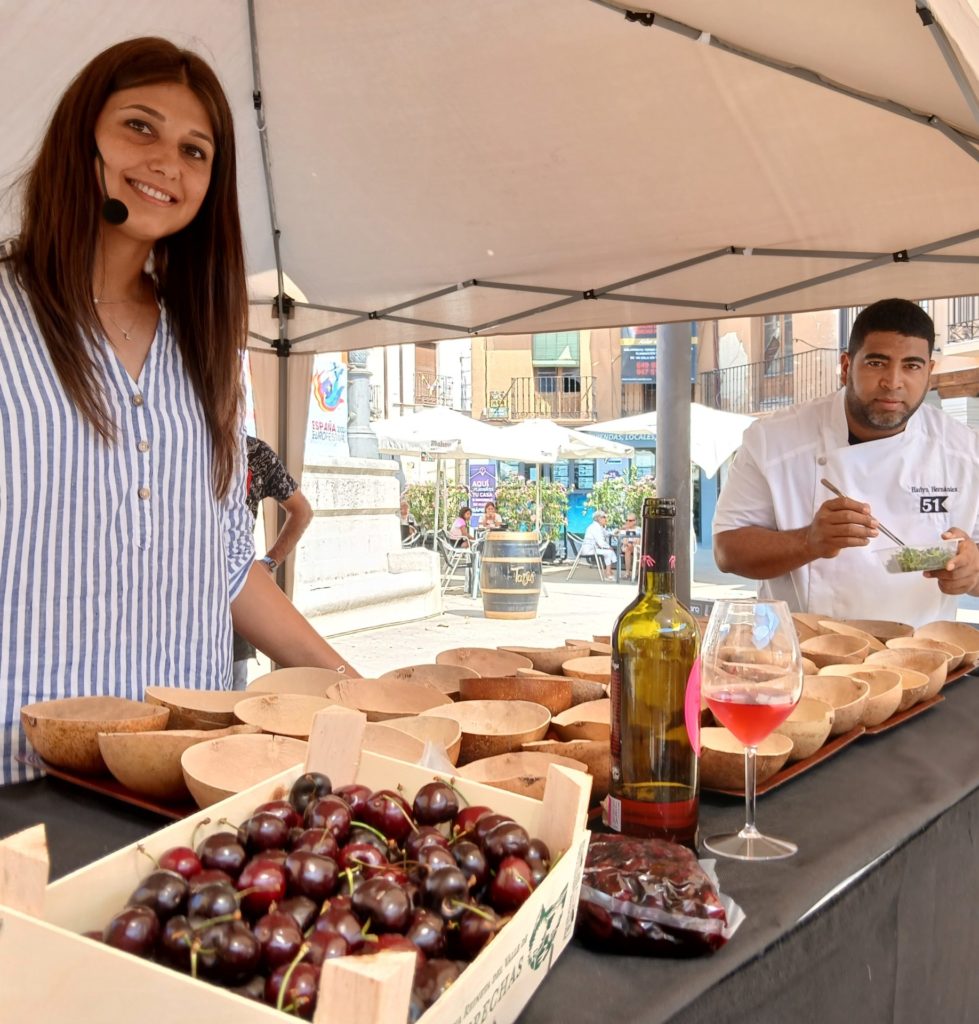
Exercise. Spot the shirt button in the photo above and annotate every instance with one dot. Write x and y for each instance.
(143, 492)
(821, 460)
(137, 399)
(143, 446)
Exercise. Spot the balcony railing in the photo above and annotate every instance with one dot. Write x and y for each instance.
(965, 330)
(764, 386)
(433, 389)
(551, 398)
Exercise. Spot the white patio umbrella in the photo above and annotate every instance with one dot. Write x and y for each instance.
(550, 442)
(714, 435)
(440, 433)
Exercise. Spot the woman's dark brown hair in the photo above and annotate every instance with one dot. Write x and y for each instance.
(200, 270)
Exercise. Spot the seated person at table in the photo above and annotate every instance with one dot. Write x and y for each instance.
(459, 533)
(595, 542)
(492, 520)
(628, 535)
(409, 528)
(899, 462)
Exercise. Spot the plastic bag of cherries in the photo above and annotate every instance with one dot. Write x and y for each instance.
(652, 897)
(258, 907)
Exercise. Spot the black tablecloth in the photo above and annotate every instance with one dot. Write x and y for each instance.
(874, 920)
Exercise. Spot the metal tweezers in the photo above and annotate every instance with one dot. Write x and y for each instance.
(880, 526)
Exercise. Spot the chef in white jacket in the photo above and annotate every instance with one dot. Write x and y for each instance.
(900, 463)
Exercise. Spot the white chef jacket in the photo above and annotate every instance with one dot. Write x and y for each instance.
(918, 483)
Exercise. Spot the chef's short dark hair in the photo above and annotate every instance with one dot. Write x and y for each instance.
(898, 315)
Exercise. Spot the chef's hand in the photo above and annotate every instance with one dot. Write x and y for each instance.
(840, 523)
(961, 574)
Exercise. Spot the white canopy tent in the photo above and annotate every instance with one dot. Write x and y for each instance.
(430, 170)
(714, 435)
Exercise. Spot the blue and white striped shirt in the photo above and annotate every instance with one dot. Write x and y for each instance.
(118, 565)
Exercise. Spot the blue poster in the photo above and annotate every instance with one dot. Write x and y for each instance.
(482, 487)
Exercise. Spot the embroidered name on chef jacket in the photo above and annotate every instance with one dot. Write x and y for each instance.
(933, 499)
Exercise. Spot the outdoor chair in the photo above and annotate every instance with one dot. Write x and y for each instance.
(574, 543)
(453, 559)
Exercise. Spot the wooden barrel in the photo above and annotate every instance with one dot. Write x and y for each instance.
(509, 576)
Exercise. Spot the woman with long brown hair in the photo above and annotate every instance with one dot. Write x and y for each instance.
(123, 313)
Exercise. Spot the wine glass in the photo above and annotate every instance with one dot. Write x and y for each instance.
(751, 678)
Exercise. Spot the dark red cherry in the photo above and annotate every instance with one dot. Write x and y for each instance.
(209, 876)
(253, 989)
(329, 812)
(338, 919)
(446, 891)
(361, 855)
(424, 835)
(356, 797)
(319, 840)
(383, 903)
(389, 813)
(260, 884)
(279, 938)
(134, 930)
(175, 942)
(164, 892)
(300, 991)
(435, 803)
(326, 946)
(393, 941)
(486, 824)
(433, 978)
(511, 885)
(538, 857)
(508, 839)
(477, 926)
(466, 819)
(223, 852)
(216, 899)
(229, 952)
(303, 910)
(309, 874)
(263, 832)
(307, 788)
(181, 859)
(426, 930)
(472, 862)
(281, 809)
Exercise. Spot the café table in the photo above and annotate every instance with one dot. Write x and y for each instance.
(876, 919)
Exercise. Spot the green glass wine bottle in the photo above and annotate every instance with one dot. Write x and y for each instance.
(654, 786)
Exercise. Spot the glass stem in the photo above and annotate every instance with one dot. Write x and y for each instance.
(749, 790)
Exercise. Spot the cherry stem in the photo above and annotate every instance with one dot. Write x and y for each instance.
(473, 909)
(220, 919)
(197, 828)
(370, 828)
(287, 977)
(455, 789)
(146, 853)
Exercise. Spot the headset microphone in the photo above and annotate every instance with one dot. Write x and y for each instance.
(114, 211)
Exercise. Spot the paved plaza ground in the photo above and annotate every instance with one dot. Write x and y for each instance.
(580, 608)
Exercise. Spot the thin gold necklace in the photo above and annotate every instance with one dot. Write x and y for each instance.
(118, 326)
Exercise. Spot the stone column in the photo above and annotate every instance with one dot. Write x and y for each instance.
(360, 436)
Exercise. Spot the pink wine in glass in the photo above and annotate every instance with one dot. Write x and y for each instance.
(751, 714)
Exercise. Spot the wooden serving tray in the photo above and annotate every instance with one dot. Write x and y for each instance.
(108, 786)
(790, 771)
(902, 716)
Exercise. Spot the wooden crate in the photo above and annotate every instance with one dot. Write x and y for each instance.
(50, 973)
